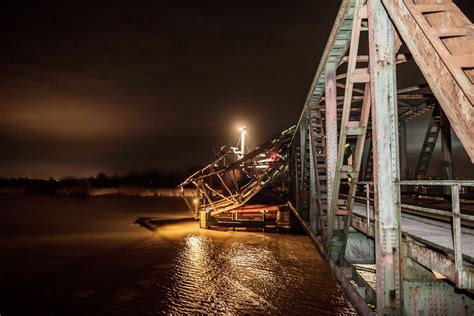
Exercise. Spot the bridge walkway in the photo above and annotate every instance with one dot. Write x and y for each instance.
(434, 232)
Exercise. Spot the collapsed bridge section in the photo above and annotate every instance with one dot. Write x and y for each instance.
(234, 178)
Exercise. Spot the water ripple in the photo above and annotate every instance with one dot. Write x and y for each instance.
(251, 274)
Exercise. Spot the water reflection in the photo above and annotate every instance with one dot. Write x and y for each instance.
(194, 251)
(250, 274)
(85, 267)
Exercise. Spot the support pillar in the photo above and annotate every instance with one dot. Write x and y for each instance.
(331, 130)
(446, 163)
(197, 202)
(304, 190)
(404, 174)
(204, 219)
(386, 164)
(303, 131)
(295, 178)
(313, 200)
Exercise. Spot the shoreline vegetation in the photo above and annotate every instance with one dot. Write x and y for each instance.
(110, 191)
(138, 183)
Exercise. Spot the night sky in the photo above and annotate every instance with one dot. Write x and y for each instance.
(117, 86)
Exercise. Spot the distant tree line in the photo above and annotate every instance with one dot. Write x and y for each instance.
(152, 178)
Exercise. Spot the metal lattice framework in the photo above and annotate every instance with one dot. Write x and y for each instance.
(229, 182)
(352, 128)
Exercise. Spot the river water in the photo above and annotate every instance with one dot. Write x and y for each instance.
(86, 256)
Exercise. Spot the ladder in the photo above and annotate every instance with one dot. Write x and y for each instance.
(305, 171)
(317, 139)
(434, 127)
(341, 208)
(297, 173)
(441, 40)
(369, 167)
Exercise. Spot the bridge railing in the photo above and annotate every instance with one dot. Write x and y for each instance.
(462, 279)
(455, 215)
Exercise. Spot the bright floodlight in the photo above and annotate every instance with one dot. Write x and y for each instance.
(243, 131)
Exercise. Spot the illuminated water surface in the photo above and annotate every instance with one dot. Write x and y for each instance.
(86, 256)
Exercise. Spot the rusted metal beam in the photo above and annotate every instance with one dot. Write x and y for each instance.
(403, 150)
(335, 241)
(342, 85)
(314, 209)
(446, 163)
(446, 214)
(357, 159)
(331, 131)
(464, 183)
(304, 185)
(296, 178)
(335, 49)
(303, 132)
(412, 88)
(318, 176)
(401, 58)
(422, 253)
(383, 89)
(451, 97)
(418, 96)
(456, 50)
(439, 262)
(457, 243)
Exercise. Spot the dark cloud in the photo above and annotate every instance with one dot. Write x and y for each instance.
(131, 85)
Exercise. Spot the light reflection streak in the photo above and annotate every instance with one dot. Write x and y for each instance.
(232, 273)
(208, 278)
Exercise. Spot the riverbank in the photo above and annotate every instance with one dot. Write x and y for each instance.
(126, 191)
(104, 191)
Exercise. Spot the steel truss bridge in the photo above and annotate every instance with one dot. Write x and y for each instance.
(347, 157)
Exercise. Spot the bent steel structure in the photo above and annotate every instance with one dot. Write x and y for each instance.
(232, 180)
